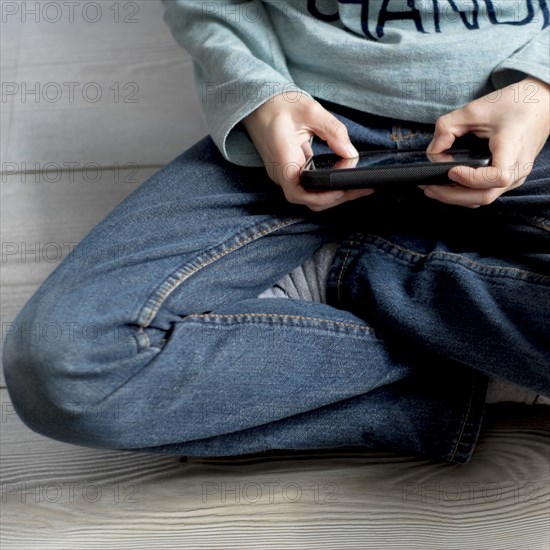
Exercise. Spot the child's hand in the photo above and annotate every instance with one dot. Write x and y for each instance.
(516, 121)
(281, 130)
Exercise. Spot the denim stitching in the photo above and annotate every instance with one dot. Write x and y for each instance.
(540, 222)
(153, 309)
(479, 267)
(281, 316)
(340, 275)
(464, 422)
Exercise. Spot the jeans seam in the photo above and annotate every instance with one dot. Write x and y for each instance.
(538, 221)
(244, 316)
(152, 309)
(464, 421)
(340, 275)
(466, 262)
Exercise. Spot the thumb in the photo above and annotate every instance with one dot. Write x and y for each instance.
(447, 129)
(334, 132)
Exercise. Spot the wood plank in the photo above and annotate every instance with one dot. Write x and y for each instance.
(10, 39)
(106, 92)
(62, 496)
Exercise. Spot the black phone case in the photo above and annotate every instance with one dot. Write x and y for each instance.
(377, 177)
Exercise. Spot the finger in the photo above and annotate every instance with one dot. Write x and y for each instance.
(288, 176)
(321, 202)
(465, 196)
(462, 196)
(318, 200)
(510, 159)
(483, 177)
(290, 172)
(505, 169)
(330, 129)
(439, 157)
(447, 128)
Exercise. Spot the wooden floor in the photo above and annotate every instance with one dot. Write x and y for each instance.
(66, 161)
(65, 497)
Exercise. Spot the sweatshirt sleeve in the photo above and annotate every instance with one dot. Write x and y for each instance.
(238, 62)
(533, 59)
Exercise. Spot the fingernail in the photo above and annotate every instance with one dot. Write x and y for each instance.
(429, 192)
(352, 151)
(455, 173)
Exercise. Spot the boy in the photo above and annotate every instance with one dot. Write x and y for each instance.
(404, 305)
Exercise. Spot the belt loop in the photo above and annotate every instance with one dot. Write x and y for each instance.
(396, 135)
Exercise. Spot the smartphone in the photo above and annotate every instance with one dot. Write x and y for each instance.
(386, 168)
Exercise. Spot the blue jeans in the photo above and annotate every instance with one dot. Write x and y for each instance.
(150, 336)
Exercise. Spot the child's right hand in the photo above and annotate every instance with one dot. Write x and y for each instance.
(281, 130)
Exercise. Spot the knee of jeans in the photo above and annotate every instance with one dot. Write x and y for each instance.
(60, 373)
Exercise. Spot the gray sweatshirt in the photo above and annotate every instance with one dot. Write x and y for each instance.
(406, 59)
